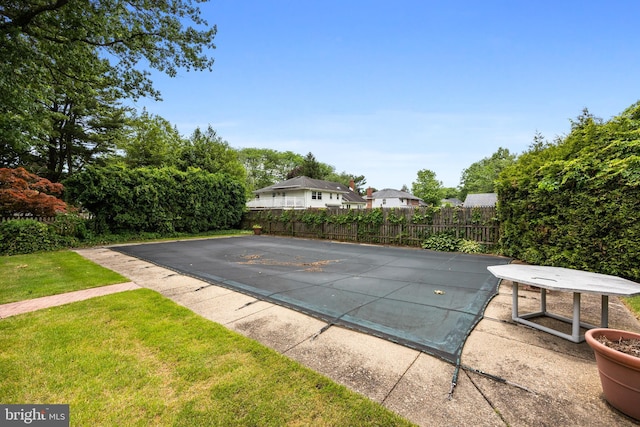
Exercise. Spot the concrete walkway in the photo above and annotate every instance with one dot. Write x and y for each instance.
(511, 375)
(20, 307)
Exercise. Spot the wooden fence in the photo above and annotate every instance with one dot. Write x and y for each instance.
(46, 219)
(392, 226)
(395, 226)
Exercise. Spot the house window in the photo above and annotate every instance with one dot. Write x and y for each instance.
(384, 201)
(330, 196)
(316, 195)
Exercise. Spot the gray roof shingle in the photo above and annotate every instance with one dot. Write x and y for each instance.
(303, 183)
(480, 200)
(389, 193)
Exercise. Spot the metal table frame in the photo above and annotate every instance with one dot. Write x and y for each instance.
(574, 322)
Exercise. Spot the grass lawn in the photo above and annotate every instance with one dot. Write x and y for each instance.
(50, 273)
(137, 358)
(634, 305)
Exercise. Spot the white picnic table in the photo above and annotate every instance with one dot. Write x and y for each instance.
(565, 280)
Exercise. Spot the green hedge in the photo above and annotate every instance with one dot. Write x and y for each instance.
(576, 203)
(26, 236)
(163, 200)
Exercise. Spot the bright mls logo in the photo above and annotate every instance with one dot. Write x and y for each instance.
(34, 415)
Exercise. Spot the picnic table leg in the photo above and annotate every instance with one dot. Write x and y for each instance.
(575, 332)
(604, 316)
(543, 301)
(514, 303)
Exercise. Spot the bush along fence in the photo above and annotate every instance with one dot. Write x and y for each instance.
(394, 226)
(23, 234)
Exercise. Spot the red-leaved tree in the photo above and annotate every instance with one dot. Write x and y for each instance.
(25, 193)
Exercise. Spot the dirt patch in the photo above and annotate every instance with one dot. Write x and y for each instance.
(315, 266)
(628, 346)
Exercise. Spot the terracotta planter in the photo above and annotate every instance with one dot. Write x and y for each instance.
(257, 231)
(619, 372)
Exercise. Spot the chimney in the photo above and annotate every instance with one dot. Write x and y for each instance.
(369, 198)
(352, 185)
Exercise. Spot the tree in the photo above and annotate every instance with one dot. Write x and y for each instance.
(539, 143)
(151, 141)
(450, 193)
(481, 176)
(266, 167)
(59, 49)
(207, 151)
(70, 124)
(344, 178)
(26, 193)
(85, 128)
(427, 187)
(311, 168)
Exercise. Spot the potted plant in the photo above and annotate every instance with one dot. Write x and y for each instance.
(618, 358)
(257, 229)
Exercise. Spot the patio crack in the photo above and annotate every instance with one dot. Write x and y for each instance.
(400, 378)
(486, 398)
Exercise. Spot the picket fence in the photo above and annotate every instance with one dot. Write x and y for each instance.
(408, 226)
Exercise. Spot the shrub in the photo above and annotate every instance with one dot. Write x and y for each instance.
(70, 225)
(443, 242)
(27, 236)
(157, 200)
(470, 247)
(575, 203)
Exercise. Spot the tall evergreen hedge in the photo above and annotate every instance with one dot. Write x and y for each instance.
(162, 200)
(576, 203)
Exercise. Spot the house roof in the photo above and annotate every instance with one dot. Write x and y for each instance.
(352, 197)
(480, 200)
(389, 193)
(306, 183)
(452, 201)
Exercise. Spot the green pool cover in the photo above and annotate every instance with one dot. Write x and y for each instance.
(422, 299)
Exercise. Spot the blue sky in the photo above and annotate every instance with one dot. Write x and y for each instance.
(387, 88)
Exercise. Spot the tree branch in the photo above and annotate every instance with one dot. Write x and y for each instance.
(23, 20)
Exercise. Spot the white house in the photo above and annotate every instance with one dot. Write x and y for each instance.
(302, 192)
(389, 198)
